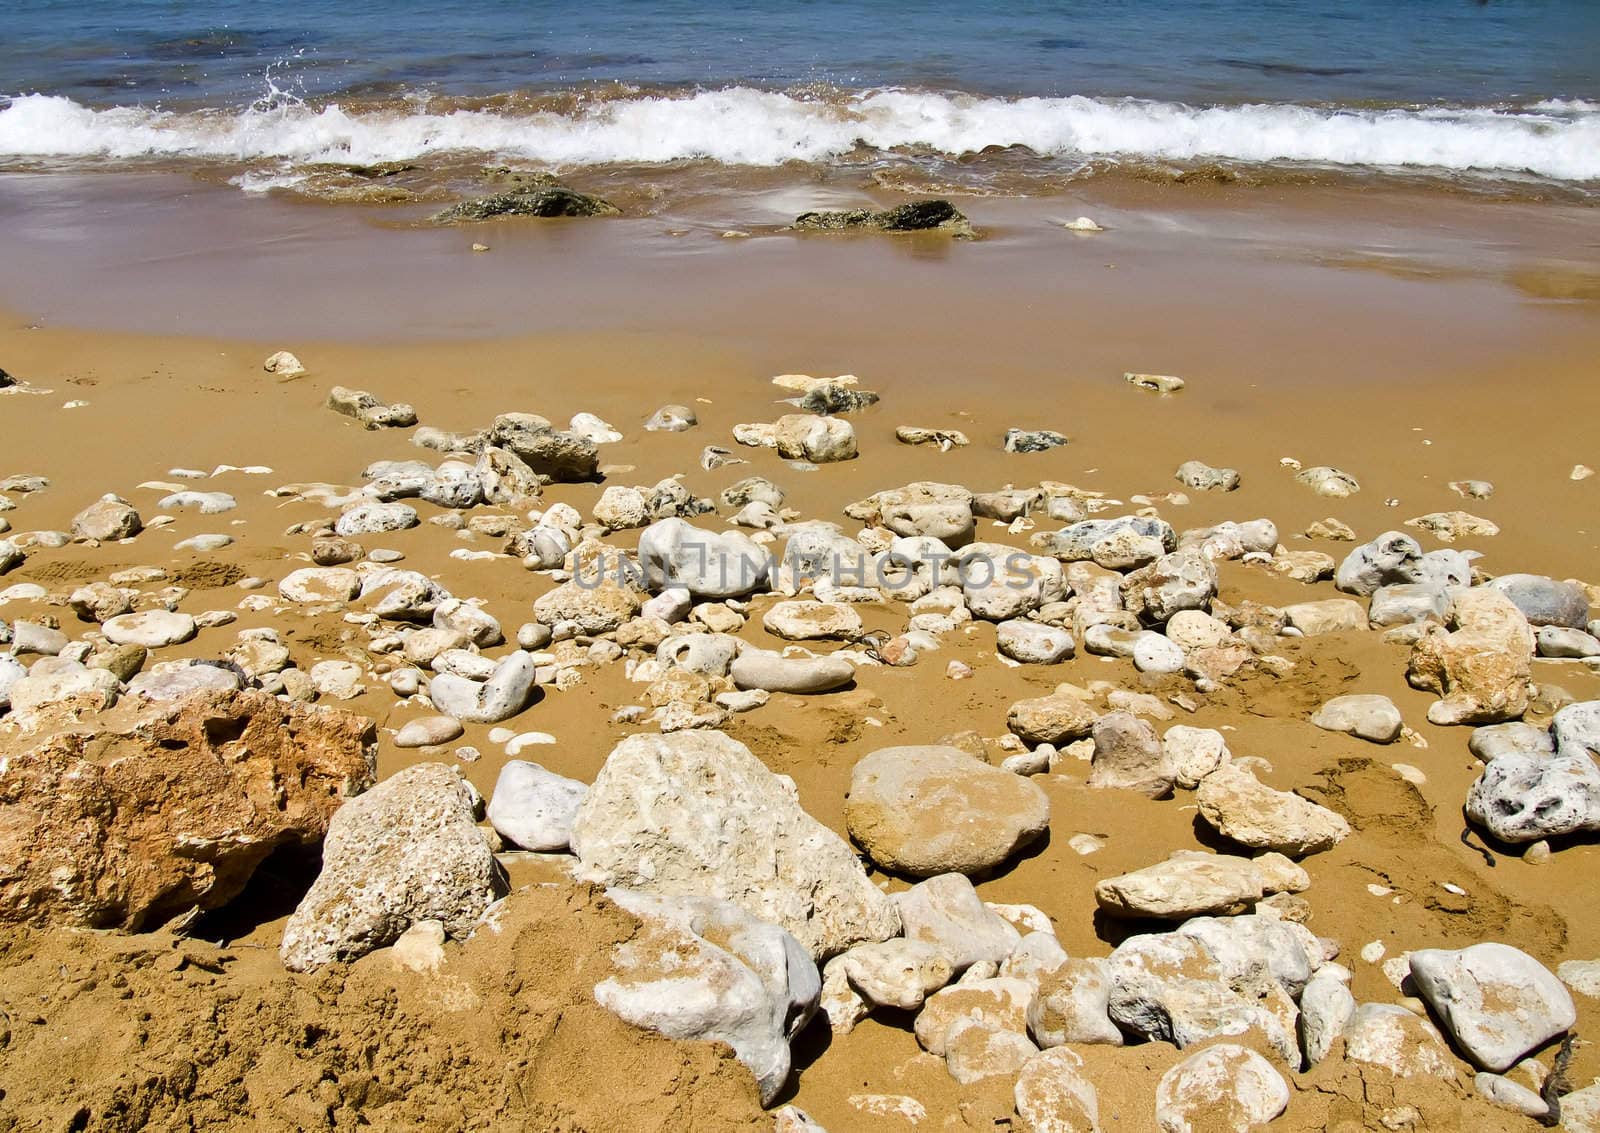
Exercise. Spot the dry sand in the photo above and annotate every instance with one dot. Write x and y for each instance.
(1407, 379)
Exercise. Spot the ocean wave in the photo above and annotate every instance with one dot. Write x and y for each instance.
(1558, 140)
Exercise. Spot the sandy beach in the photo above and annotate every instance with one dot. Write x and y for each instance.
(1411, 345)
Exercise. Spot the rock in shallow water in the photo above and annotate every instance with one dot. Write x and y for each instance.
(915, 216)
(545, 201)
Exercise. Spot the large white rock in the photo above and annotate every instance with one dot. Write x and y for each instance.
(591, 606)
(1170, 987)
(1497, 1002)
(506, 693)
(107, 519)
(1183, 886)
(807, 620)
(1223, 1087)
(1286, 951)
(376, 519)
(997, 1004)
(696, 814)
(1033, 643)
(896, 973)
(772, 671)
(534, 808)
(1000, 583)
(1194, 753)
(408, 850)
(11, 671)
(1326, 1008)
(1528, 796)
(708, 565)
(754, 988)
(32, 694)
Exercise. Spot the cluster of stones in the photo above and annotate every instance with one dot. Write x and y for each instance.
(756, 916)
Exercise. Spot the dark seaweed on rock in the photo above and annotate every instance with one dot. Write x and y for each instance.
(830, 399)
(917, 216)
(540, 202)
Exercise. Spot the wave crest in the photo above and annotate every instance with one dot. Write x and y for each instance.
(743, 126)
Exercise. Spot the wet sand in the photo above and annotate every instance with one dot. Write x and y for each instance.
(1437, 365)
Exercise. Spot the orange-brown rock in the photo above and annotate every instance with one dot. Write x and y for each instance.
(128, 827)
(1481, 669)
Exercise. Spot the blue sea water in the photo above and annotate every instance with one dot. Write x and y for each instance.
(1197, 51)
(1475, 87)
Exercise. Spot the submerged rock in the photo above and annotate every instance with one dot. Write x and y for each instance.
(916, 216)
(540, 201)
(368, 409)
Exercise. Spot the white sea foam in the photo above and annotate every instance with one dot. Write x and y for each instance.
(1559, 140)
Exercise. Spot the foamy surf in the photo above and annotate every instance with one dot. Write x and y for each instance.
(1557, 140)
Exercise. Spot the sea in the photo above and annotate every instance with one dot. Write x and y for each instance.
(967, 95)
